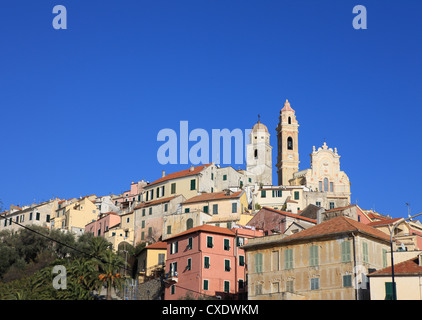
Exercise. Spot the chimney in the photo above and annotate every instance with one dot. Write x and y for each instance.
(163, 174)
(191, 168)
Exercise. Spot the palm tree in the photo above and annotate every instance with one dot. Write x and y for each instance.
(110, 265)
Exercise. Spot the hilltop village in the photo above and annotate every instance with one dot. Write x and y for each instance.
(220, 233)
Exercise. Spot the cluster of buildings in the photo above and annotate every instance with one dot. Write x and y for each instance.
(218, 232)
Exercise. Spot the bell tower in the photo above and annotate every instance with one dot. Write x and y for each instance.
(287, 145)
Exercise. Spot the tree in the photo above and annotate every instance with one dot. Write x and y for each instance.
(110, 265)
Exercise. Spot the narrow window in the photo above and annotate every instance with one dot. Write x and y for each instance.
(256, 154)
(226, 244)
(193, 184)
(189, 224)
(289, 120)
(215, 209)
(206, 262)
(234, 207)
(325, 184)
(205, 286)
(209, 242)
(258, 262)
(289, 143)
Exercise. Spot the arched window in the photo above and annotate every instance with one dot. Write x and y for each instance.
(189, 224)
(326, 185)
(290, 120)
(289, 143)
(256, 153)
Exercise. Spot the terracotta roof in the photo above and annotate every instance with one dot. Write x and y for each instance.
(154, 202)
(408, 267)
(383, 222)
(341, 208)
(338, 225)
(157, 245)
(289, 214)
(213, 196)
(204, 228)
(181, 174)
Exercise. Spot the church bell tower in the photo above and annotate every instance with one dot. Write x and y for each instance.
(287, 145)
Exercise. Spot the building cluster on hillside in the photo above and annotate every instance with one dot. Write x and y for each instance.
(217, 232)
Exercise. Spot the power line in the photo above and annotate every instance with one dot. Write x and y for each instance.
(64, 244)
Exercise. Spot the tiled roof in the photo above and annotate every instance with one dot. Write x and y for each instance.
(338, 225)
(181, 174)
(204, 228)
(213, 196)
(383, 222)
(289, 214)
(157, 245)
(154, 202)
(407, 267)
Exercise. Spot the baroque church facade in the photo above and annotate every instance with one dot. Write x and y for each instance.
(324, 184)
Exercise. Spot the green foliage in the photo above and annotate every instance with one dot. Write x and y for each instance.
(27, 260)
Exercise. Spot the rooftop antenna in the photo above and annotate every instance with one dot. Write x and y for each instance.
(259, 117)
(408, 210)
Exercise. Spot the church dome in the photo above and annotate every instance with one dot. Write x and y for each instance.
(259, 127)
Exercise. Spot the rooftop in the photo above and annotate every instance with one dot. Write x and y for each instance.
(213, 196)
(180, 174)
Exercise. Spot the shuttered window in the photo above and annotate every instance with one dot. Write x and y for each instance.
(258, 262)
(313, 256)
(345, 251)
(288, 259)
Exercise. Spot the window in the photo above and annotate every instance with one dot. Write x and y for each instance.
(314, 283)
(142, 235)
(258, 289)
(288, 259)
(289, 286)
(226, 286)
(365, 252)
(30, 216)
(150, 211)
(332, 205)
(289, 121)
(189, 265)
(242, 261)
(172, 289)
(345, 251)
(289, 143)
(275, 261)
(263, 193)
(256, 154)
(226, 265)
(325, 184)
(277, 194)
(143, 212)
(240, 241)
(206, 262)
(37, 217)
(193, 184)
(205, 209)
(149, 232)
(258, 262)
(174, 247)
(296, 195)
(331, 187)
(384, 258)
(152, 194)
(212, 176)
(224, 177)
(241, 284)
(143, 224)
(234, 207)
(347, 281)
(205, 285)
(318, 203)
(313, 256)
(215, 209)
(209, 242)
(389, 291)
(189, 224)
(320, 186)
(275, 287)
(166, 207)
(161, 258)
(226, 244)
(127, 220)
(190, 243)
(168, 229)
(187, 210)
(173, 188)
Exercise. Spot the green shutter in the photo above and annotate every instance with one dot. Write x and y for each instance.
(241, 261)
(258, 262)
(384, 258)
(209, 242)
(313, 256)
(345, 251)
(234, 207)
(205, 209)
(206, 262)
(296, 195)
(288, 259)
(193, 184)
(226, 286)
(389, 291)
(263, 194)
(205, 284)
(365, 252)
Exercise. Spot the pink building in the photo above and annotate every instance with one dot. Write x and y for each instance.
(106, 221)
(207, 260)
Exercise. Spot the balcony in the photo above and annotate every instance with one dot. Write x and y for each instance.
(171, 277)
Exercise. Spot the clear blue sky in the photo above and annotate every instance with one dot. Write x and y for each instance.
(81, 108)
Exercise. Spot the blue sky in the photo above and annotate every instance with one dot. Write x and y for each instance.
(81, 108)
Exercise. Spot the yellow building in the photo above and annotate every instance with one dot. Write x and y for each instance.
(151, 260)
(124, 232)
(328, 261)
(74, 216)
